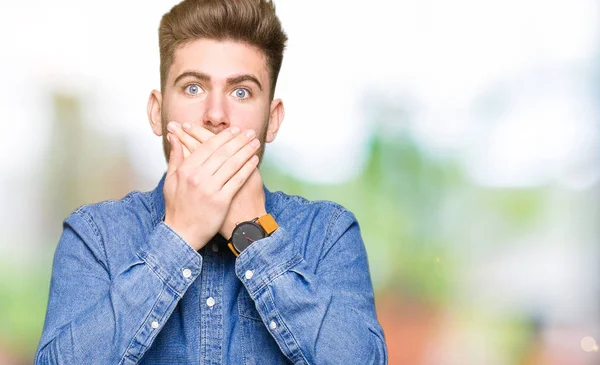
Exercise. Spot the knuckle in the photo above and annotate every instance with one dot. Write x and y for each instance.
(194, 180)
(239, 179)
(181, 173)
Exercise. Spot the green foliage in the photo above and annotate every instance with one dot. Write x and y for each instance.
(23, 301)
(396, 200)
(419, 214)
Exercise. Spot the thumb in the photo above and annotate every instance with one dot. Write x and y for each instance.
(176, 155)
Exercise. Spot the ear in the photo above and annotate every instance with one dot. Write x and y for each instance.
(154, 112)
(275, 119)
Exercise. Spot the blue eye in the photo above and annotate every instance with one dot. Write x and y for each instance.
(193, 89)
(241, 93)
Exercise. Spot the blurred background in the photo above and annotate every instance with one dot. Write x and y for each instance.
(464, 135)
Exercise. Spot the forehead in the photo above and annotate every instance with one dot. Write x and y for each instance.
(219, 59)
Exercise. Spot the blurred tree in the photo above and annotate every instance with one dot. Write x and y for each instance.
(84, 165)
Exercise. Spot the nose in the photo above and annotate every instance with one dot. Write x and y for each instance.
(215, 116)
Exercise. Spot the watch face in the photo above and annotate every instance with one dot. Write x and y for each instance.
(246, 233)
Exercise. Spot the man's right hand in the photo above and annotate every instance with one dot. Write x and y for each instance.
(198, 189)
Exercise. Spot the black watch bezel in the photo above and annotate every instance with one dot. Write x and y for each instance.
(245, 233)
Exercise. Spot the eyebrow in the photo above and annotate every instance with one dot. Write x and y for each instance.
(230, 81)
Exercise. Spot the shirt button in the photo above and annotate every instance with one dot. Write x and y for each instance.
(210, 302)
(272, 325)
(249, 274)
(215, 247)
(187, 273)
(154, 324)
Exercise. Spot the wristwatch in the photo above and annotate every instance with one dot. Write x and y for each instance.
(247, 232)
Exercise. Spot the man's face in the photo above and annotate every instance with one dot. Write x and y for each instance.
(216, 85)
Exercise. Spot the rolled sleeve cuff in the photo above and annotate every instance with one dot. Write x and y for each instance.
(266, 259)
(171, 258)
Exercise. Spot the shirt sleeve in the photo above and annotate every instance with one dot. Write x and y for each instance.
(317, 316)
(96, 315)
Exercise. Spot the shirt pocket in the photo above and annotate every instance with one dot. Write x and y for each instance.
(257, 345)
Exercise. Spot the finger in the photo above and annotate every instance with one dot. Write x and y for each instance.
(200, 134)
(203, 153)
(189, 142)
(228, 150)
(186, 152)
(237, 181)
(235, 162)
(176, 155)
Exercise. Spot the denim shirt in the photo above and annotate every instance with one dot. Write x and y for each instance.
(126, 289)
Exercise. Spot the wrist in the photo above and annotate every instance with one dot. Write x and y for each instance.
(195, 240)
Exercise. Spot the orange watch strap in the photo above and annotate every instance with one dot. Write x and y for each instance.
(235, 252)
(267, 222)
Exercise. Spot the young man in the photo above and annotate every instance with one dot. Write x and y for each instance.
(211, 267)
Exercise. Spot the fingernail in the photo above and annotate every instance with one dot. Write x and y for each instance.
(235, 130)
(250, 133)
(187, 126)
(172, 126)
(169, 138)
(255, 143)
